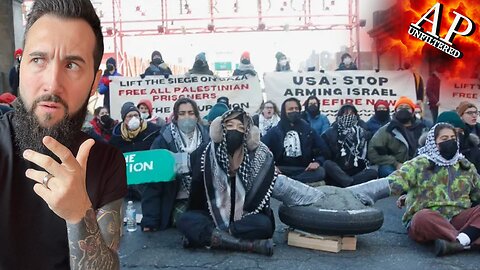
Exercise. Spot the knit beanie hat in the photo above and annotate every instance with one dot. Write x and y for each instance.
(245, 56)
(279, 55)
(128, 107)
(217, 110)
(112, 61)
(405, 100)
(201, 56)
(452, 118)
(7, 98)
(381, 102)
(463, 106)
(156, 53)
(223, 100)
(18, 52)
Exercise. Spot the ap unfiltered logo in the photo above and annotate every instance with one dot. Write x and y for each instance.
(432, 37)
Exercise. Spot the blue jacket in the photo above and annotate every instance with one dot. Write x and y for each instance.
(373, 124)
(105, 89)
(319, 122)
(310, 143)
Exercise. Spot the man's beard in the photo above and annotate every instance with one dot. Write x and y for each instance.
(29, 133)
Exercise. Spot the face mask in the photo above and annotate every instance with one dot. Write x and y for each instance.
(199, 63)
(134, 123)
(283, 62)
(157, 61)
(144, 115)
(382, 115)
(418, 115)
(187, 126)
(293, 116)
(312, 109)
(245, 61)
(448, 149)
(347, 121)
(110, 68)
(106, 120)
(234, 140)
(347, 61)
(403, 116)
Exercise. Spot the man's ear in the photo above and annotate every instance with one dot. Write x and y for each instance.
(98, 76)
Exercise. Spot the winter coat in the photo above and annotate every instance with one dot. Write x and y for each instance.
(104, 88)
(447, 190)
(153, 70)
(310, 143)
(374, 124)
(143, 141)
(389, 145)
(319, 122)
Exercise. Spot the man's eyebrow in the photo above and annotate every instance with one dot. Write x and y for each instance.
(38, 53)
(68, 57)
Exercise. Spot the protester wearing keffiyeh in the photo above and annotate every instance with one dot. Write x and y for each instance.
(232, 181)
(432, 152)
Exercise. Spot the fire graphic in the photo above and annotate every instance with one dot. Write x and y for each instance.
(417, 51)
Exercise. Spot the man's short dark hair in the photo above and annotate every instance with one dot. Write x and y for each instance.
(70, 9)
(185, 100)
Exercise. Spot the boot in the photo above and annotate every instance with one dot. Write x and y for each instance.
(223, 240)
(444, 247)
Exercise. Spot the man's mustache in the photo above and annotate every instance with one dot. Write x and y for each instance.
(49, 98)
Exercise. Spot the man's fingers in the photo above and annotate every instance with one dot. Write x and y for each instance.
(62, 152)
(84, 151)
(38, 177)
(44, 161)
(43, 192)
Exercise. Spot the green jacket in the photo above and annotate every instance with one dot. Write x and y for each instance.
(448, 190)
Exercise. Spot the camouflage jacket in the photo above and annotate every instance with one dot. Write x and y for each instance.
(448, 190)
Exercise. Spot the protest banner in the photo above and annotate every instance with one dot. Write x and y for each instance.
(453, 91)
(150, 166)
(244, 91)
(361, 88)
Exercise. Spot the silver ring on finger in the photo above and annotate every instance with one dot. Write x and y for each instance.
(46, 178)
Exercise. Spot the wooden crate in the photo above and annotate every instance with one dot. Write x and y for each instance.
(321, 242)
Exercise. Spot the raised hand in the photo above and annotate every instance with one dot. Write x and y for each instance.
(65, 190)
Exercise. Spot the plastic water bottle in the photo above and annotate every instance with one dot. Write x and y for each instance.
(131, 217)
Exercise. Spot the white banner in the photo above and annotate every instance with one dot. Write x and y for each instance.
(454, 91)
(163, 92)
(361, 88)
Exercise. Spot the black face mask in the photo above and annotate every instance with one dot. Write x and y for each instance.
(403, 116)
(110, 68)
(312, 109)
(245, 61)
(157, 61)
(106, 120)
(382, 115)
(199, 63)
(448, 149)
(234, 140)
(293, 117)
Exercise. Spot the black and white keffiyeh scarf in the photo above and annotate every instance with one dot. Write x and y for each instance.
(265, 124)
(431, 152)
(351, 138)
(183, 143)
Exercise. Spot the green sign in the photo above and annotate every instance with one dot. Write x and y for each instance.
(223, 65)
(150, 166)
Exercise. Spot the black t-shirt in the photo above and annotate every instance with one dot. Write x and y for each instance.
(32, 235)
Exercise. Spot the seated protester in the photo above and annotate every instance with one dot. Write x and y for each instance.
(396, 142)
(268, 116)
(469, 114)
(313, 116)
(145, 108)
(345, 150)
(102, 123)
(245, 67)
(232, 180)
(419, 116)
(295, 145)
(200, 66)
(183, 135)
(381, 116)
(468, 142)
(440, 185)
(133, 133)
(157, 66)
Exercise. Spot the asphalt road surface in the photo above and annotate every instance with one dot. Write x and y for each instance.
(388, 249)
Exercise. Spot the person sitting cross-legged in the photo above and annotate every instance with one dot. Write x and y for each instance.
(232, 181)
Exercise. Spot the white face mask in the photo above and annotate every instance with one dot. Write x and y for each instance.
(347, 61)
(418, 115)
(283, 62)
(134, 123)
(144, 115)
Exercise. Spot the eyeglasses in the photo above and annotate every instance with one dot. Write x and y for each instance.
(472, 113)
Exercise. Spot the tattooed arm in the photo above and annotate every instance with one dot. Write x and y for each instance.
(94, 241)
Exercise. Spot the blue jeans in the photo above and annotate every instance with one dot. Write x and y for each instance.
(385, 170)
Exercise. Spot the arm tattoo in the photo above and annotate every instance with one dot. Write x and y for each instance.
(94, 241)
